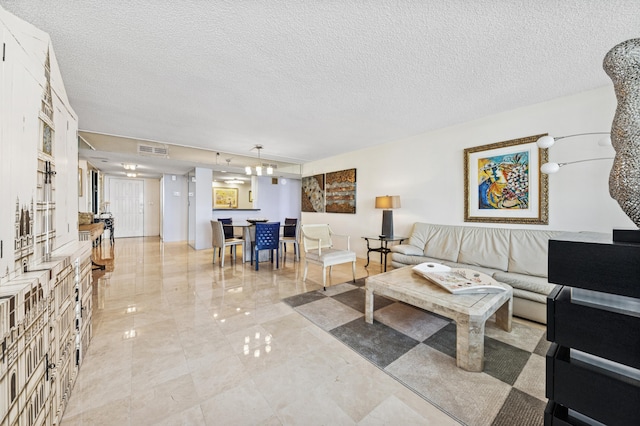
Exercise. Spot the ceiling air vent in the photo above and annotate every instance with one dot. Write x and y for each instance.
(155, 150)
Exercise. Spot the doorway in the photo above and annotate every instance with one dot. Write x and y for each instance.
(126, 198)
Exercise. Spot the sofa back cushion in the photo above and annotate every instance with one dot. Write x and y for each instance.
(437, 241)
(529, 250)
(487, 247)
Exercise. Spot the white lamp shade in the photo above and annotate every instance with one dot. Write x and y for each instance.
(549, 168)
(247, 170)
(546, 141)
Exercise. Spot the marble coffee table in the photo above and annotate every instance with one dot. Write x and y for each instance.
(469, 311)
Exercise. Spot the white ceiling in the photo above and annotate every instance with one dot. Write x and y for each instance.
(313, 79)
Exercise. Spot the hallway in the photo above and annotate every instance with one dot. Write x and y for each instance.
(178, 340)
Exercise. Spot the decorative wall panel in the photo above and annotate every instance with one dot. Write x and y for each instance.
(341, 191)
(313, 194)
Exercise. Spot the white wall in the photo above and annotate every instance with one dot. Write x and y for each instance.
(427, 171)
(174, 208)
(277, 201)
(204, 200)
(151, 207)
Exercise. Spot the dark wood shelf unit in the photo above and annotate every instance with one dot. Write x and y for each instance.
(593, 365)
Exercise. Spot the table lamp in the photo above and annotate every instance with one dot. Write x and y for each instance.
(387, 202)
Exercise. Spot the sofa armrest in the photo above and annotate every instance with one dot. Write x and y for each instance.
(407, 249)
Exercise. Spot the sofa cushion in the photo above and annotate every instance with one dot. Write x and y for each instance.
(443, 242)
(529, 295)
(488, 247)
(484, 270)
(407, 249)
(419, 235)
(440, 241)
(403, 259)
(529, 251)
(530, 283)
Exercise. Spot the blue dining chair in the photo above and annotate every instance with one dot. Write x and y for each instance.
(267, 238)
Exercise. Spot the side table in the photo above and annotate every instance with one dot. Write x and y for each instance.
(384, 247)
(109, 224)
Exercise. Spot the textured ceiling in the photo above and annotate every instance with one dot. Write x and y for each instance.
(312, 79)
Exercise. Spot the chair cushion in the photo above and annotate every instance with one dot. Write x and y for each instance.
(331, 256)
(85, 218)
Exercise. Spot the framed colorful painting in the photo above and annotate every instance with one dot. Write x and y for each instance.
(503, 183)
(225, 198)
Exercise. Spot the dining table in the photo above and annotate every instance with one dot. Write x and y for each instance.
(249, 234)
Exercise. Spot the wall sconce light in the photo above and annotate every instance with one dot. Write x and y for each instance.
(550, 168)
(387, 202)
(549, 141)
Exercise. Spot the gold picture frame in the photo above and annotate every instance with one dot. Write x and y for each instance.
(225, 198)
(503, 183)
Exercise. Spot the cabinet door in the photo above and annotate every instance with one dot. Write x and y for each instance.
(8, 129)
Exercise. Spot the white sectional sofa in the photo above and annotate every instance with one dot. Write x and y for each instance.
(517, 257)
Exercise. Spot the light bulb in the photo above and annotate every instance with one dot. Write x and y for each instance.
(247, 170)
(605, 141)
(545, 141)
(259, 170)
(269, 170)
(549, 168)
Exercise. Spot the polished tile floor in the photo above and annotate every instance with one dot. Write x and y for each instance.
(180, 341)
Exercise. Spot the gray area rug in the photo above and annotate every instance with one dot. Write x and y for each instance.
(418, 349)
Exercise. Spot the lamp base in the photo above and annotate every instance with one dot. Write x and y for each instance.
(387, 223)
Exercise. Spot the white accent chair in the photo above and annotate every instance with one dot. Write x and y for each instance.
(220, 242)
(318, 249)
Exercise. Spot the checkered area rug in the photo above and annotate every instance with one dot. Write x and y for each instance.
(418, 349)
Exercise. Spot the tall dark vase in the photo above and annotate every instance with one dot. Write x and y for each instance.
(622, 65)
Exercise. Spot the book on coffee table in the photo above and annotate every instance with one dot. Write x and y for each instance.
(459, 280)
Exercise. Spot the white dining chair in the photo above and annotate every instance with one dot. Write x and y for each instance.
(218, 241)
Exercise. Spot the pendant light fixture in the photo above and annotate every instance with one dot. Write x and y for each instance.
(258, 167)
